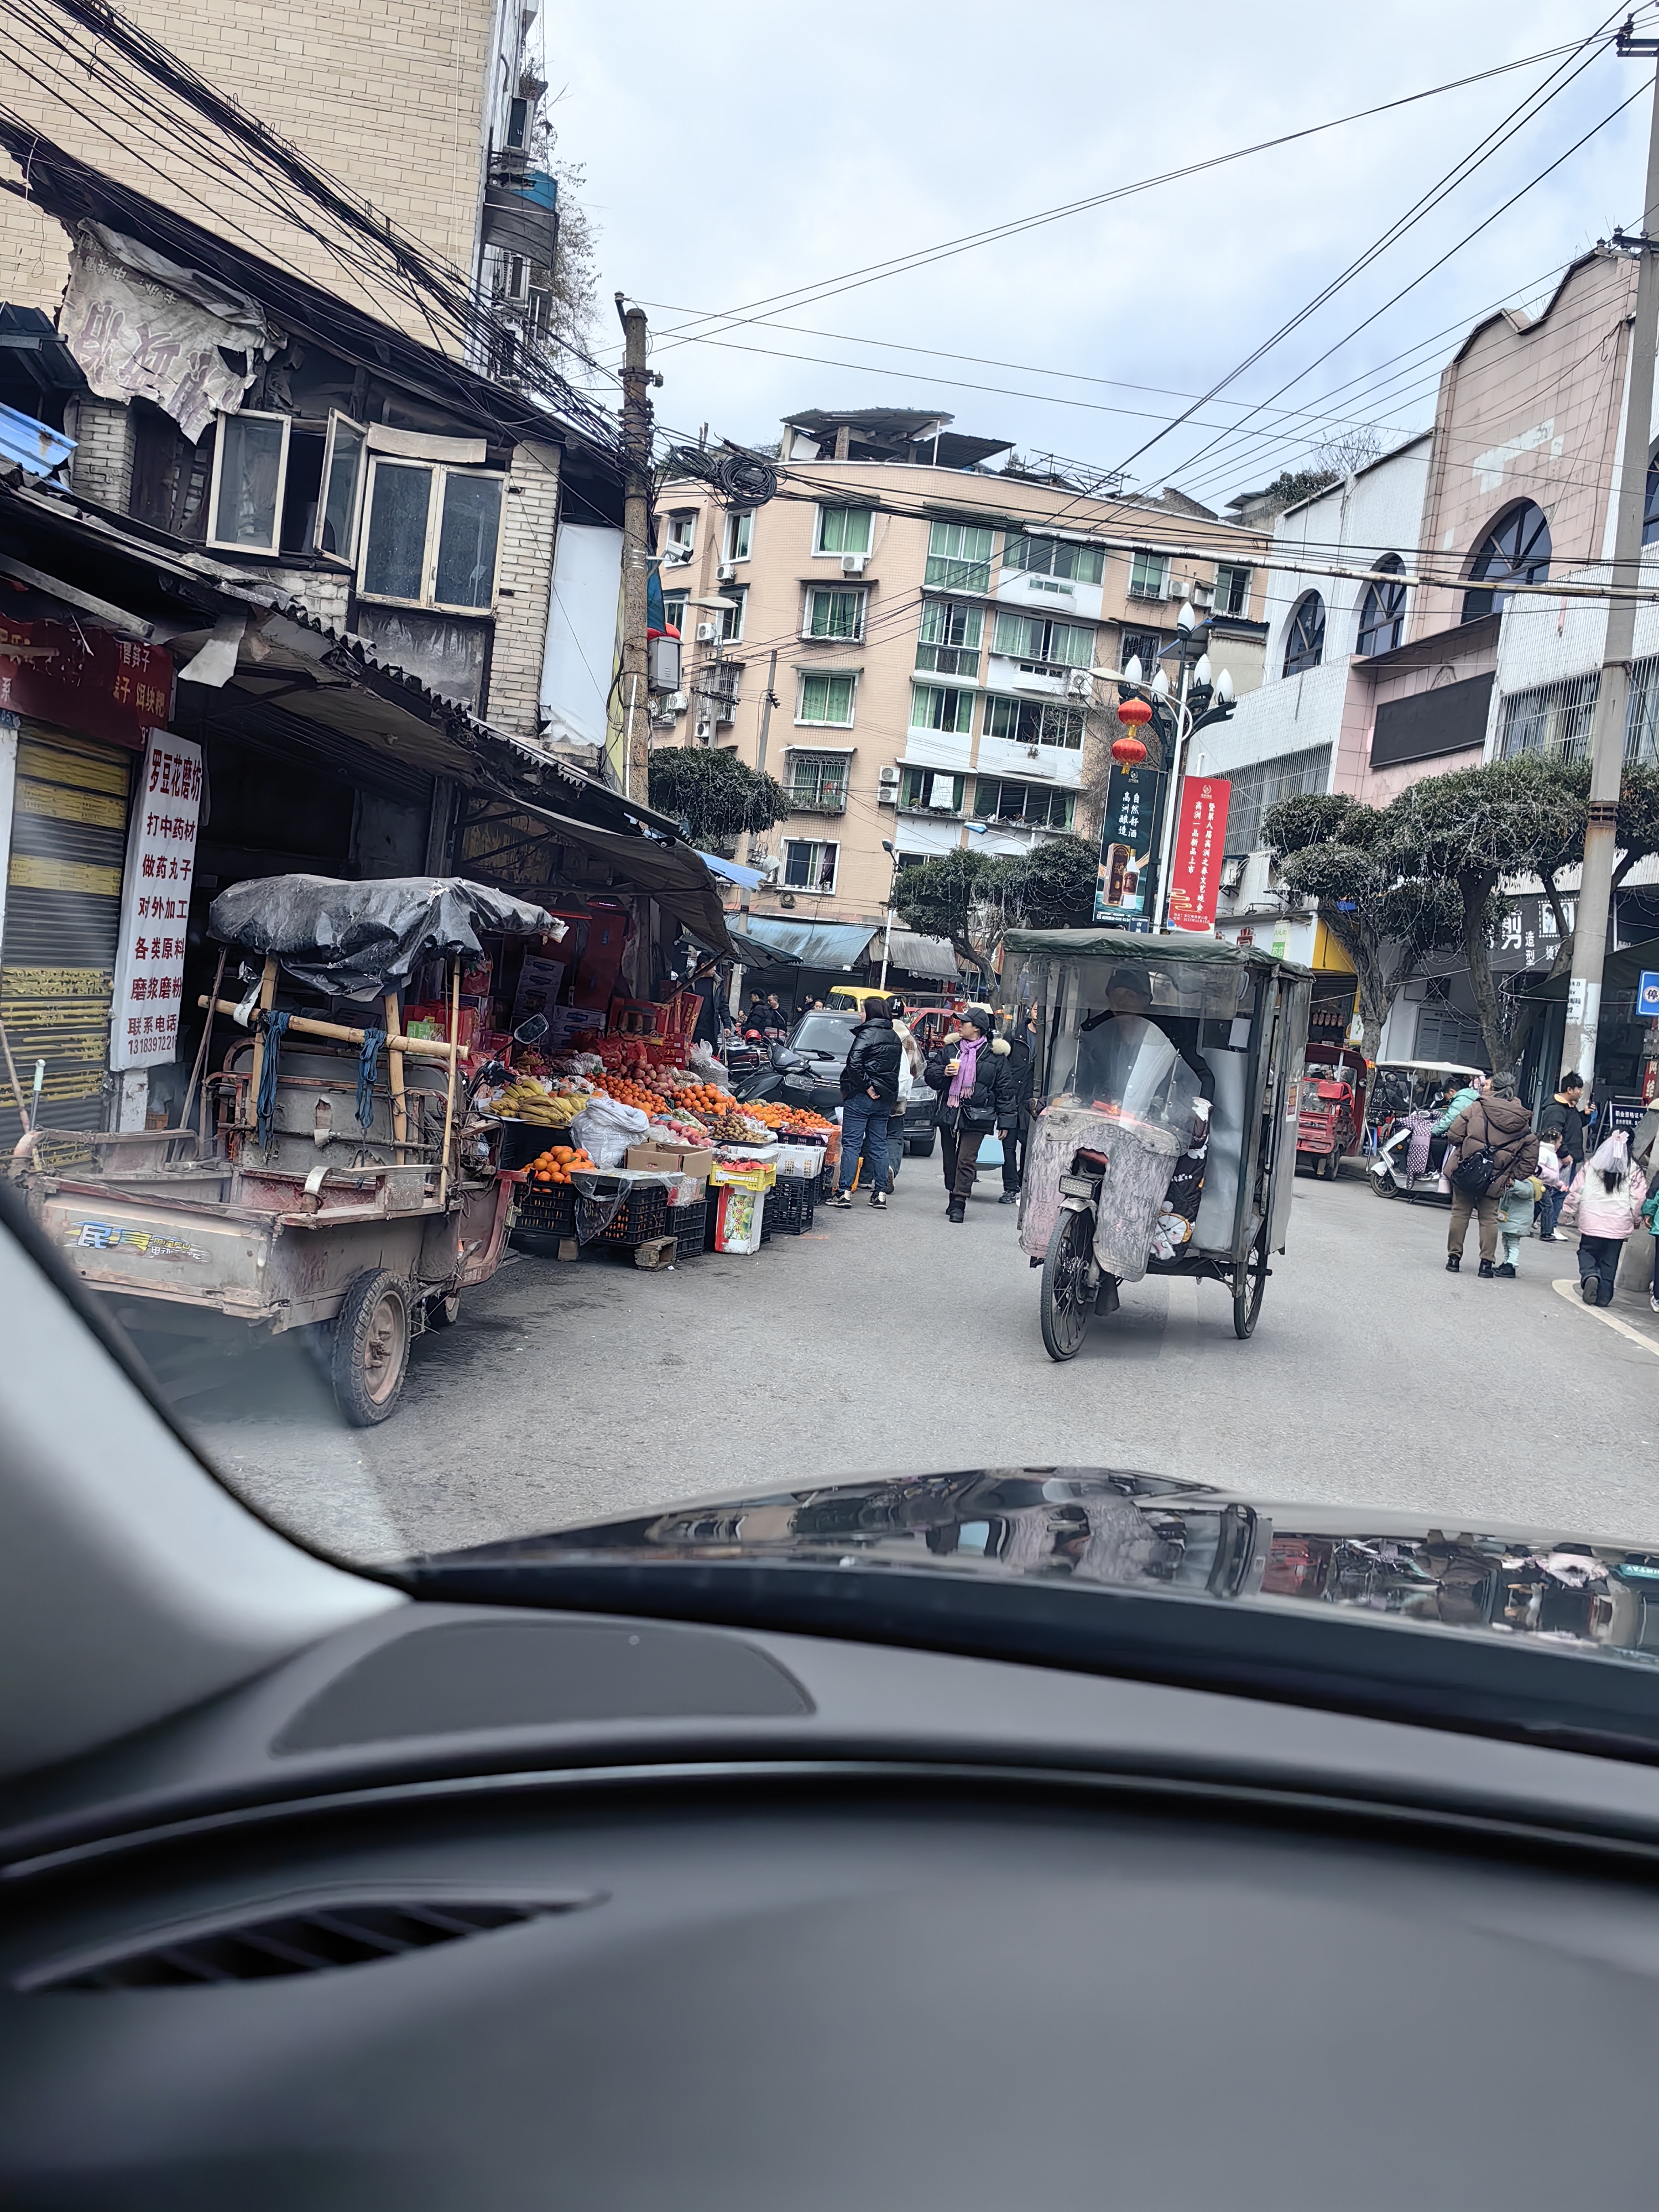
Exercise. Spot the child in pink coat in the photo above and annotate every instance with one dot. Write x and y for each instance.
(1605, 1201)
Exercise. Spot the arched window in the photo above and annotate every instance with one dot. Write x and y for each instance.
(1516, 550)
(1651, 512)
(1383, 611)
(1304, 642)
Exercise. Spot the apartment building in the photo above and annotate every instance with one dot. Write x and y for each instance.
(919, 645)
(1371, 685)
(422, 109)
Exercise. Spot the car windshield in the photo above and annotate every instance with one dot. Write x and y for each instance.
(794, 984)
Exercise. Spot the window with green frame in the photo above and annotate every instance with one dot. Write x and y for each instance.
(1034, 722)
(932, 789)
(951, 631)
(843, 530)
(1034, 804)
(1037, 642)
(828, 700)
(1055, 556)
(832, 613)
(959, 556)
(933, 708)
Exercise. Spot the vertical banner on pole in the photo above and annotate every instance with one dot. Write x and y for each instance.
(149, 961)
(1201, 841)
(1129, 842)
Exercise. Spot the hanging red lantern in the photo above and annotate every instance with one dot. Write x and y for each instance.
(1132, 712)
(1128, 751)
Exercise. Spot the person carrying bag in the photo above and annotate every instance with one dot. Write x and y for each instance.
(1495, 1147)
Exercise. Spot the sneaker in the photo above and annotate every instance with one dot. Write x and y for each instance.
(1009, 1198)
(955, 1212)
(1453, 1263)
(1653, 1302)
(1591, 1290)
(841, 1198)
(878, 1198)
(1507, 1271)
(1486, 1270)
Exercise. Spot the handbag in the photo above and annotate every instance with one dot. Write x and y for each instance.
(1473, 1173)
(990, 1151)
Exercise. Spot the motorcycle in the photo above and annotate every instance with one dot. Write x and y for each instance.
(1400, 1089)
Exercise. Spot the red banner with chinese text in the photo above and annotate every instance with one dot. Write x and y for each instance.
(85, 679)
(1200, 840)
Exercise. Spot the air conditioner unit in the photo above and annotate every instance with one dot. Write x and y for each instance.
(887, 787)
(727, 571)
(707, 633)
(704, 731)
(852, 564)
(674, 702)
(1079, 684)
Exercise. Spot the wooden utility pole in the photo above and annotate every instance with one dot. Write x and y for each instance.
(636, 556)
(1590, 934)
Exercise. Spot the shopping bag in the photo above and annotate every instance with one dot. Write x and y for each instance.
(990, 1151)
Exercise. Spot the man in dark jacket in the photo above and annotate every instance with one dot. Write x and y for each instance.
(1013, 1138)
(1562, 1124)
(869, 1092)
(972, 1071)
(1497, 1120)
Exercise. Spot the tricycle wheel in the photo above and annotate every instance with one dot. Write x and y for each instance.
(444, 1313)
(1250, 1282)
(1068, 1298)
(371, 1348)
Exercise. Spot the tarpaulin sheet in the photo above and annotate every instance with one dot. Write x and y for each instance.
(924, 956)
(358, 940)
(835, 945)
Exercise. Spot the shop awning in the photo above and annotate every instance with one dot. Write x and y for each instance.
(731, 871)
(835, 944)
(753, 954)
(924, 956)
(673, 874)
(1621, 971)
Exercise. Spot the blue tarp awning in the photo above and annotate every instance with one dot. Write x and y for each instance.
(833, 945)
(731, 872)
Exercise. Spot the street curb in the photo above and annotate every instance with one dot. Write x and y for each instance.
(1569, 1291)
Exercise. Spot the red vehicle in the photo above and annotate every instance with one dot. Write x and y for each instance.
(1331, 1113)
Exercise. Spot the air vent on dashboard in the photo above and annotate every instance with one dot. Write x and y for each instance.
(306, 1941)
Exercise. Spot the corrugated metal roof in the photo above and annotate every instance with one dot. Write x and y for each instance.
(923, 956)
(34, 447)
(837, 944)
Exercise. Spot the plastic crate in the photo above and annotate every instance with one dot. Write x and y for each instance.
(548, 1209)
(521, 1142)
(642, 1216)
(789, 1204)
(689, 1225)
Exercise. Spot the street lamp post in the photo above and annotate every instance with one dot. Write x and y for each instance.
(1203, 697)
(888, 848)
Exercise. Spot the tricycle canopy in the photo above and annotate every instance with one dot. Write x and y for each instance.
(358, 940)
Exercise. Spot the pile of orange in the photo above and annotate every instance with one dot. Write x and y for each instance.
(556, 1164)
(699, 1100)
(786, 1117)
(628, 1092)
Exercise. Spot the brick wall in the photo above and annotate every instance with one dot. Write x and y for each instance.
(101, 466)
(387, 95)
(527, 535)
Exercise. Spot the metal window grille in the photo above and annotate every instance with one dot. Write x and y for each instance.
(1264, 784)
(1552, 719)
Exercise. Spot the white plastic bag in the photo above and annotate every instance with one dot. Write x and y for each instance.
(605, 1130)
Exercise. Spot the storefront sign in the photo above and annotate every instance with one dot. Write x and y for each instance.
(149, 969)
(1128, 839)
(1647, 996)
(84, 678)
(1200, 840)
(137, 335)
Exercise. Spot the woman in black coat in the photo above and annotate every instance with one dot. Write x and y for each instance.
(973, 1072)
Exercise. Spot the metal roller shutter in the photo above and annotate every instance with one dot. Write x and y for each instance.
(69, 842)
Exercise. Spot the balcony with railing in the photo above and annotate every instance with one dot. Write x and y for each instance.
(815, 790)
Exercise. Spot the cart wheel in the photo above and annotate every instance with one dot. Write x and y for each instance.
(371, 1348)
(1250, 1282)
(444, 1313)
(1066, 1298)
(1384, 1186)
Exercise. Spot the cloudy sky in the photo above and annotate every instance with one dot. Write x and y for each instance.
(783, 148)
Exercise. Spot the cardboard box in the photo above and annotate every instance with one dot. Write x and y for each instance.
(671, 1159)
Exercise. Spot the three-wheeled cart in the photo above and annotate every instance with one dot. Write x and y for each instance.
(335, 1182)
(1331, 1120)
(1170, 1067)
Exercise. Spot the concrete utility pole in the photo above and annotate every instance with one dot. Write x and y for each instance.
(1590, 935)
(636, 557)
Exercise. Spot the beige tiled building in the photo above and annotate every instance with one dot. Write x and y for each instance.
(411, 104)
(944, 636)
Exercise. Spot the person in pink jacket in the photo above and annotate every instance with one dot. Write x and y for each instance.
(1604, 1203)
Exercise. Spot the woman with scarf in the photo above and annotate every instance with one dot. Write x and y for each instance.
(1605, 1204)
(973, 1072)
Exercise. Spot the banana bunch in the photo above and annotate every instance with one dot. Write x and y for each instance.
(528, 1102)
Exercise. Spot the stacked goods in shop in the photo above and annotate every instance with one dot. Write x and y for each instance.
(557, 1164)
(737, 1128)
(677, 1129)
(528, 1099)
(795, 1120)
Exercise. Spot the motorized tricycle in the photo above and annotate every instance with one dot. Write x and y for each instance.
(1406, 1099)
(1330, 1121)
(335, 1183)
(1169, 1068)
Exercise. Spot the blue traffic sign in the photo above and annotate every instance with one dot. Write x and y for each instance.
(1647, 996)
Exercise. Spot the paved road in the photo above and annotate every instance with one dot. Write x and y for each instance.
(898, 1341)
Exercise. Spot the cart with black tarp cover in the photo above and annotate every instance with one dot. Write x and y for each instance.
(1169, 1067)
(333, 1181)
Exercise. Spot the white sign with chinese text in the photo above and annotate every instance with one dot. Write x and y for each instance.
(149, 960)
